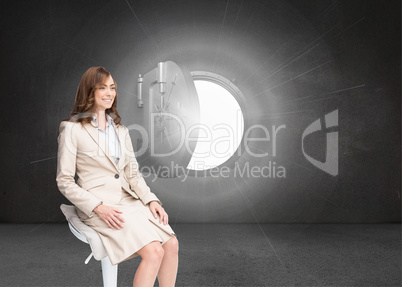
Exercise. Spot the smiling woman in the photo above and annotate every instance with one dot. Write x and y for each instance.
(221, 122)
(97, 88)
(110, 195)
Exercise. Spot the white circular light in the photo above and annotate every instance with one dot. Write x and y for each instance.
(221, 126)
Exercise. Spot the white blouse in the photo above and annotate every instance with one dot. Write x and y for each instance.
(110, 137)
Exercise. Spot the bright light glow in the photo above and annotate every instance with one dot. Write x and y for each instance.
(221, 126)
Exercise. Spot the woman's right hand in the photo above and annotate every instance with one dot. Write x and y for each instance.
(110, 215)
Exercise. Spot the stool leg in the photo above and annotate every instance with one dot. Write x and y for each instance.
(109, 273)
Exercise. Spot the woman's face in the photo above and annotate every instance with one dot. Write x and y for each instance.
(104, 95)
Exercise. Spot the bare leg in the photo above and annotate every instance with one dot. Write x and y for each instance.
(168, 268)
(152, 255)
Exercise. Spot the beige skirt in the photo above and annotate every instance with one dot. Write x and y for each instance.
(140, 228)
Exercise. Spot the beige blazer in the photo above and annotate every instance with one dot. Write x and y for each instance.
(82, 150)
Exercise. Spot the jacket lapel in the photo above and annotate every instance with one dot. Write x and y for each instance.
(94, 133)
(122, 139)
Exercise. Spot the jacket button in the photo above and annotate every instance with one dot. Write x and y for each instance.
(116, 176)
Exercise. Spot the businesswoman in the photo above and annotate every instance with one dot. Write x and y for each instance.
(110, 194)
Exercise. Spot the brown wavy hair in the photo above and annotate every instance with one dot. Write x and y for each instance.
(91, 80)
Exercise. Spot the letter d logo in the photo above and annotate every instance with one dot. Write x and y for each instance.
(331, 159)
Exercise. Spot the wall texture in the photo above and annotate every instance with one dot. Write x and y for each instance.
(294, 61)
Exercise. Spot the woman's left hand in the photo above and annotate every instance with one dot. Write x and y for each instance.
(157, 208)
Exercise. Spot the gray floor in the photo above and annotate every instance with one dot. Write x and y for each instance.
(218, 255)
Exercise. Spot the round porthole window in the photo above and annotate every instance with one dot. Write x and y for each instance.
(221, 126)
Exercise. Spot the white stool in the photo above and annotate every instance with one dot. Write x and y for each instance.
(89, 236)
